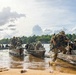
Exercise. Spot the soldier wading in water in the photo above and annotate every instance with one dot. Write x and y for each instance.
(59, 42)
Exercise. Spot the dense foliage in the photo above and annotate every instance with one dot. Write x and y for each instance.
(30, 39)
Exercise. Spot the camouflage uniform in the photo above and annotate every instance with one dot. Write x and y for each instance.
(59, 42)
(52, 42)
(19, 42)
(38, 45)
(13, 42)
(31, 46)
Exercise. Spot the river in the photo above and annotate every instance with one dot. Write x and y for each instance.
(31, 62)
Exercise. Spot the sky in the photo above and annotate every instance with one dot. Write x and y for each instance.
(18, 17)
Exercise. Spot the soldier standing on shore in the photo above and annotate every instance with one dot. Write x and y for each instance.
(59, 42)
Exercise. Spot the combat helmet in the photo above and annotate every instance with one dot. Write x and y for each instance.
(62, 33)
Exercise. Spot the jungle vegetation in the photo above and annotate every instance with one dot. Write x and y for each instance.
(34, 38)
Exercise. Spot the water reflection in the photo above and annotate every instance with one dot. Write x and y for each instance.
(34, 63)
(16, 62)
(4, 58)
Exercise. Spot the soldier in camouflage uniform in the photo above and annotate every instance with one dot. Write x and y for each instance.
(38, 45)
(52, 42)
(19, 42)
(13, 42)
(59, 42)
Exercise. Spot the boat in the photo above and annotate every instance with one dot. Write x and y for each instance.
(16, 48)
(70, 55)
(18, 51)
(70, 58)
(37, 52)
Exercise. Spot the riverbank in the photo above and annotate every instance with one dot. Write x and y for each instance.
(32, 72)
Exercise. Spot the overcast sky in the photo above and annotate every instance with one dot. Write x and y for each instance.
(18, 17)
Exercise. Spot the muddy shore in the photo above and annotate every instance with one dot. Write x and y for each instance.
(32, 72)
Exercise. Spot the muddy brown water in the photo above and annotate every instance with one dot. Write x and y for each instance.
(31, 62)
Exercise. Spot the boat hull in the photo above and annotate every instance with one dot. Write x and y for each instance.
(70, 58)
(18, 52)
(37, 53)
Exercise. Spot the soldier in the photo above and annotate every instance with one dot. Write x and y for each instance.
(70, 47)
(59, 42)
(52, 41)
(26, 46)
(62, 41)
(13, 41)
(38, 45)
(31, 46)
(63, 38)
(19, 41)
